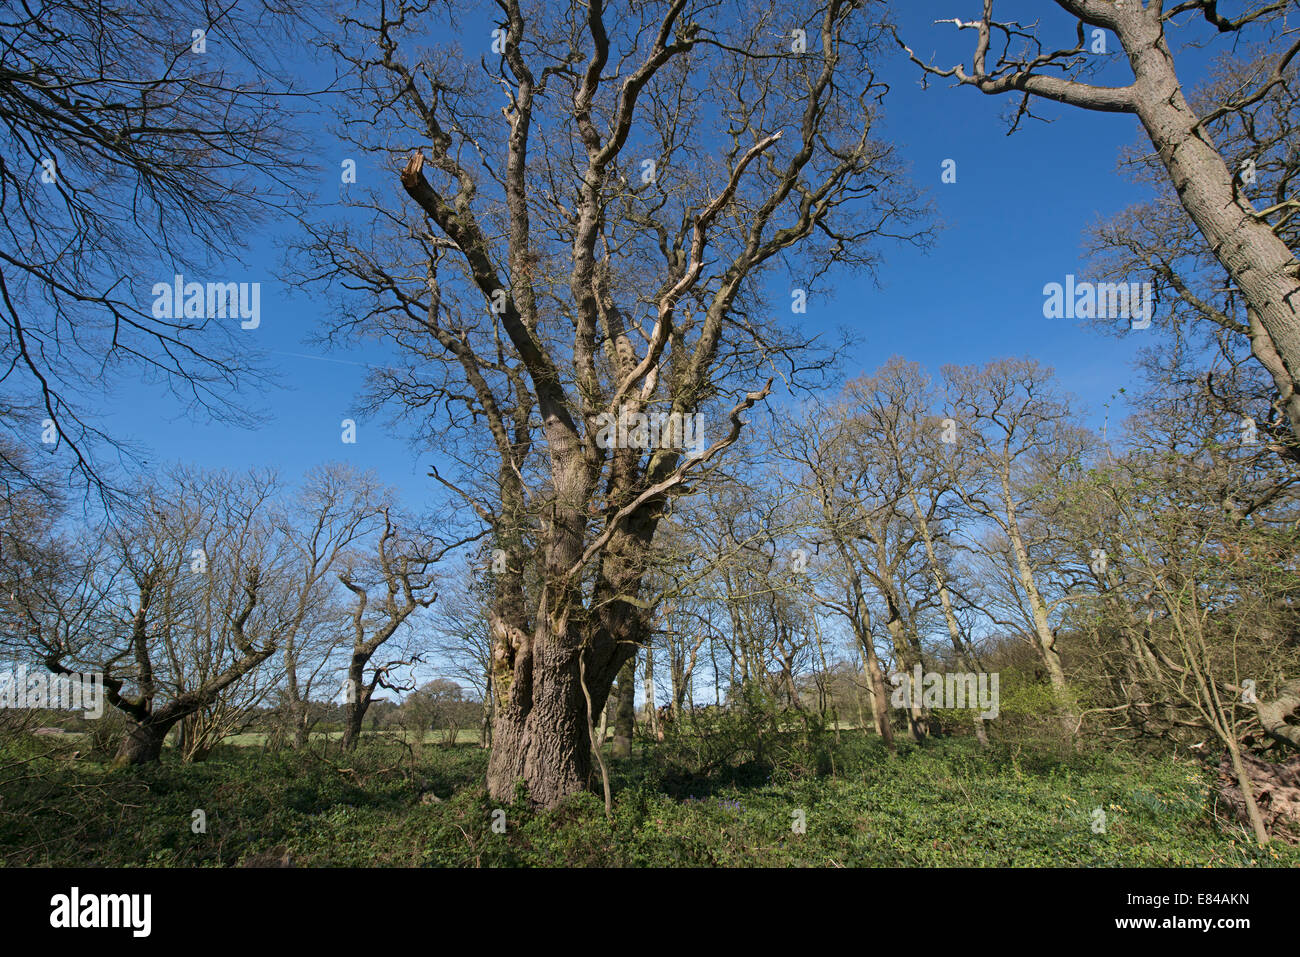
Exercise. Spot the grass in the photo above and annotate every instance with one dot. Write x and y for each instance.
(943, 804)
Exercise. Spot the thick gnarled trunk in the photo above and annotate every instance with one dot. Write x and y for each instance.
(541, 737)
(144, 741)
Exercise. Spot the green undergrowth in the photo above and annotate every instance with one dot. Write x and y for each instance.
(947, 803)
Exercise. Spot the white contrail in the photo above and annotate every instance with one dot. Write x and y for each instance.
(299, 355)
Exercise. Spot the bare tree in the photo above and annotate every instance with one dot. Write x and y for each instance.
(337, 511)
(1019, 434)
(138, 139)
(1197, 633)
(895, 417)
(592, 251)
(399, 572)
(819, 445)
(1191, 609)
(1250, 243)
(165, 603)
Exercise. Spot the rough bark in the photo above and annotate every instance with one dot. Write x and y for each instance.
(358, 702)
(541, 736)
(1258, 261)
(625, 715)
(1274, 712)
(144, 740)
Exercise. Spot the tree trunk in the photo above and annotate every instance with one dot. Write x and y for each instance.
(791, 686)
(917, 728)
(602, 732)
(354, 710)
(625, 715)
(485, 728)
(144, 741)
(1247, 791)
(541, 737)
(651, 710)
(964, 653)
(354, 714)
(1044, 634)
(295, 706)
(299, 726)
(1273, 714)
(875, 676)
(1258, 261)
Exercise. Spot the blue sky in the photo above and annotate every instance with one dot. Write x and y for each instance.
(1014, 220)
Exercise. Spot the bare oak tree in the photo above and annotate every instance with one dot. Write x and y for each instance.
(591, 213)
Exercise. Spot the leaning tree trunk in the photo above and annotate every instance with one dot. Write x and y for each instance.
(1044, 634)
(1247, 791)
(1258, 260)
